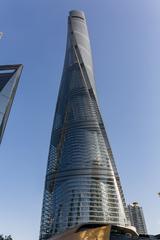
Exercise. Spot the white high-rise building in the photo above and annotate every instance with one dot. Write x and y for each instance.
(137, 218)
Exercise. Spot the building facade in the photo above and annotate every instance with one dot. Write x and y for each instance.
(98, 232)
(82, 183)
(102, 232)
(9, 78)
(137, 218)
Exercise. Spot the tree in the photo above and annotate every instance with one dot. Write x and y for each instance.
(8, 237)
(5, 237)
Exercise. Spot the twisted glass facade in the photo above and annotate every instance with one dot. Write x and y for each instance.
(9, 78)
(82, 183)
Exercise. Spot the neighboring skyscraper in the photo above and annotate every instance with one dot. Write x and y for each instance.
(82, 183)
(137, 218)
(9, 78)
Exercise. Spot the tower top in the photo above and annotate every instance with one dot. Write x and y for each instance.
(78, 14)
(135, 203)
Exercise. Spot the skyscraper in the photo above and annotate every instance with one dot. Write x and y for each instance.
(9, 78)
(82, 183)
(137, 218)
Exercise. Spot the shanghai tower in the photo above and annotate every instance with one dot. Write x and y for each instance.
(82, 183)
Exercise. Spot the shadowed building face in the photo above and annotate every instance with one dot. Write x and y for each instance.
(9, 78)
(82, 183)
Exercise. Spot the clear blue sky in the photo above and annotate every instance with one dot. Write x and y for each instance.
(125, 39)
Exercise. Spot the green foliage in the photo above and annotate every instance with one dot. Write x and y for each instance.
(6, 237)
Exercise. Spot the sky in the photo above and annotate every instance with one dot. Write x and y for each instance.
(125, 40)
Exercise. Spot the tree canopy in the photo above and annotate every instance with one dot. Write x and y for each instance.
(6, 237)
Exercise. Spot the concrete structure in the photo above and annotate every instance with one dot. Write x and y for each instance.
(137, 218)
(9, 78)
(102, 232)
(97, 232)
(82, 183)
